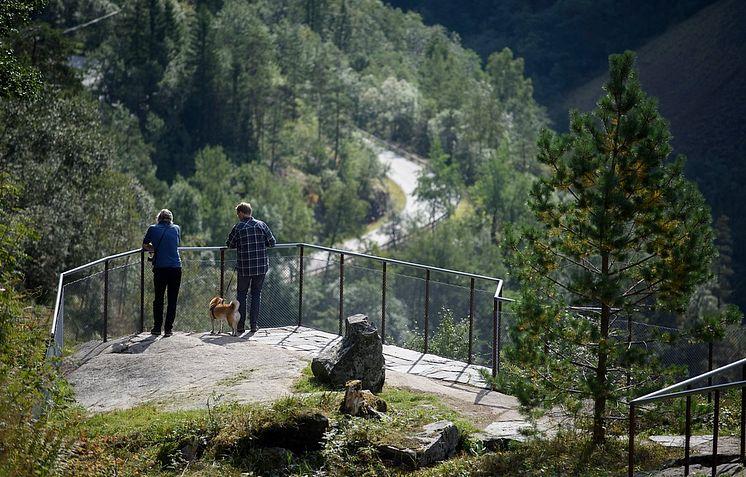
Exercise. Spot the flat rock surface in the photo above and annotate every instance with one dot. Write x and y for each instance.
(183, 371)
(190, 370)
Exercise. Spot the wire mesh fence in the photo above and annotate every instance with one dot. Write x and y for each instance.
(443, 313)
(450, 314)
(674, 347)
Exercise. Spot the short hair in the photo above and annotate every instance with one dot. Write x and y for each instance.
(244, 207)
(165, 215)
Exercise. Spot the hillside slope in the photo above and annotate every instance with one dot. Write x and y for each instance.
(697, 70)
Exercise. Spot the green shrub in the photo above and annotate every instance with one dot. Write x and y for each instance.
(33, 398)
(450, 340)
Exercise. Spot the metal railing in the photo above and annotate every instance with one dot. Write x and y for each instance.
(673, 392)
(308, 285)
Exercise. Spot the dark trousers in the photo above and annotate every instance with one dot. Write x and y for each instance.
(163, 279)
(254, 283)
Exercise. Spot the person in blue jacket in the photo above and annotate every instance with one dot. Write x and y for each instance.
(163, 239)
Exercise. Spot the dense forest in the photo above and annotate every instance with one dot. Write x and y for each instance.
(564, 43)
(196, 105)
(689, 60)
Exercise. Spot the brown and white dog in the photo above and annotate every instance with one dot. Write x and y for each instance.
(222, 311)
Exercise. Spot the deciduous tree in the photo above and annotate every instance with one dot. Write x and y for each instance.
(17, 79)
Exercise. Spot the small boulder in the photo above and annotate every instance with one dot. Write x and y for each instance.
(119, 347)
(438, 442)
(358, 355)
(500, 435)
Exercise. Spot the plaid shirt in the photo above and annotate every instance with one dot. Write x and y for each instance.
(250, 238)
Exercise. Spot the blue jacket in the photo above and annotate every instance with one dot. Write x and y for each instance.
(165, 238)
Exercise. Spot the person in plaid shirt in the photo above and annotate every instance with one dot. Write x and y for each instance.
(251, 238)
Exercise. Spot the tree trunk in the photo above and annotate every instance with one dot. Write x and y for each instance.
(493, 228)
(600, 392)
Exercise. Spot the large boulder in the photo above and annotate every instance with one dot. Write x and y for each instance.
(358, 355)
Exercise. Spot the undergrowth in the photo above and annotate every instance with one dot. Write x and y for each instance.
(223, 440)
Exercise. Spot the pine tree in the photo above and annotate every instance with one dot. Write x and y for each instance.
(16, 78)
(621, 231)
(723, 266)
(441, 185)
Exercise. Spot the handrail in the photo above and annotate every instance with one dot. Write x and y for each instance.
(666, 393)
(652, 396)
(499, 291)
(691, 392)
(370, 257)
(390, 260)
(300, 245)
(58, 298)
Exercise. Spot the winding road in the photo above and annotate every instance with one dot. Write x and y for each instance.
(404, 173)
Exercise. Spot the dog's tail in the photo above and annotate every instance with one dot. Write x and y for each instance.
(213, 304)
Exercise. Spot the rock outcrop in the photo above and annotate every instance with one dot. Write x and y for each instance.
(438, 442)
(358, 355)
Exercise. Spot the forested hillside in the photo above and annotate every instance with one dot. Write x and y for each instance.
(690, 59)
(563, 42)
(197, 105)
(110, 111)
(697, 71)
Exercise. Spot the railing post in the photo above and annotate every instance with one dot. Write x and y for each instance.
(709, 368)
(383, 305)
(494, 339)
(222, 270)
(341, 289)
(715, 432)
(106, 299)
(471, 320)
(300, 288)
(142, 290)
(499, 332)
(427, 306)
(743, 414)
(631, 447)
(687, 433)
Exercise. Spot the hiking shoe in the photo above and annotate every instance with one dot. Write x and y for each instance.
(254, 328)
(167, 334)
(240, 330)
(155, 332)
